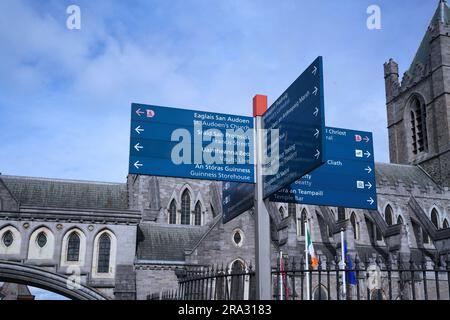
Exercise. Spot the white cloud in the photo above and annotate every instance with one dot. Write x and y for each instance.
(72, 90)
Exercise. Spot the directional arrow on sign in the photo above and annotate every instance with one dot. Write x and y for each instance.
(370, 201)
(317, 155)
(138, 165)
(316, 134)
(314, 70)
(368, 169)
(138, 147)
(315, 91)
(367, 154)
(139, 112)
(316, 112)
(369, 185)
(139, 129)
(366, 139)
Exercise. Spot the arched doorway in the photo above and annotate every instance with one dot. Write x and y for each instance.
(320, 293)
(237, 280)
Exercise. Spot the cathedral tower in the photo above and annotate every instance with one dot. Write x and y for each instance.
(418, 106)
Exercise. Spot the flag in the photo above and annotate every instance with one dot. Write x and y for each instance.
(351, 275)
(310, 248)
(284, 277)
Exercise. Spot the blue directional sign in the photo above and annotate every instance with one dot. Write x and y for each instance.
(298, 114)
(191, 144)
(237, 198)
(347, 179)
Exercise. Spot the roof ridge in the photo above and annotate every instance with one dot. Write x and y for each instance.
(395, 164)
(214, 223)
(62, 180)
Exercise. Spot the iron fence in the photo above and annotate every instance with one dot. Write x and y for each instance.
(372, 279)
(369, 279)
(213, 283)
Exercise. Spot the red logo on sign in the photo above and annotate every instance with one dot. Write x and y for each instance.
(358, 138)
(150, 113)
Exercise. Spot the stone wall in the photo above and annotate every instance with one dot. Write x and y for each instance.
(125, 236)
(154, 279)
(429, 82)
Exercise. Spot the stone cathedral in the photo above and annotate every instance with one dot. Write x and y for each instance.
(128, 240)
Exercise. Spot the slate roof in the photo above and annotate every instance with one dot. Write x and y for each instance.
(166, 242)
(407, 174)
(42, 192)
(423, 53)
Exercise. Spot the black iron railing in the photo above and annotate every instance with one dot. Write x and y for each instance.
(214, 283)
(371, 279)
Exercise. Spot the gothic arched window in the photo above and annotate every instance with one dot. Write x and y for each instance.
(354, 225)
(104, 252)
(435, 218)
(341, 213)
(445, 224)
(198, 214)
(73, 247)
(388, 215)
(301, 223)
(185, 207)
(173, 213)
(418, 117)
(303, 220)
(399, 220)
(425, 236)
(281, 210)
(41, 244)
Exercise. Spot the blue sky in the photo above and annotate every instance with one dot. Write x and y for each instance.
(65, 94)
(41, 294)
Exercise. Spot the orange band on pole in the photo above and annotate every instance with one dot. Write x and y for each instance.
(259, 105)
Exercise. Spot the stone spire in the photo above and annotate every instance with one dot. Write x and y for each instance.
(441, 16)
(444, 15)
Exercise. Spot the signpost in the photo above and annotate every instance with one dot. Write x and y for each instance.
(347, 179)
(262, 221)
(191, 144)
(298, 114)
(194, 144)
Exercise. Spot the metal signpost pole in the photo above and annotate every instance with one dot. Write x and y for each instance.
(344, 280)
(280, 284)
(262, 222)
(308, 295)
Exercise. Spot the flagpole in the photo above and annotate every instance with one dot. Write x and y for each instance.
(308, 297)
(281, 275)
(344, 282)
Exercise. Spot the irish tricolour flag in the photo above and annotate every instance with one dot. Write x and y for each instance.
(310, 248)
